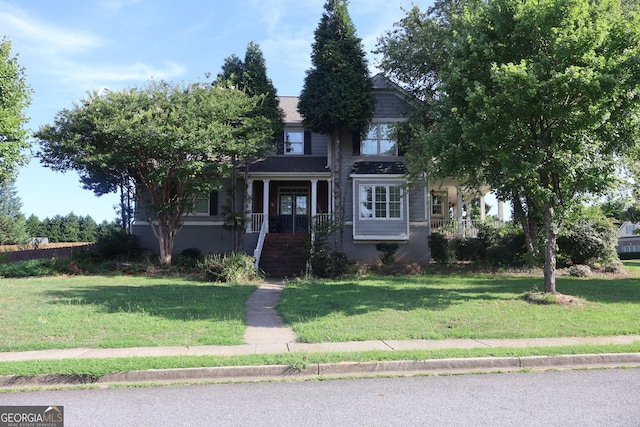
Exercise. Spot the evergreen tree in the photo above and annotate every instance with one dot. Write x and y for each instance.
(34, 226)
(250, 77)
(70, 228)
(337, 97)
(12, 223)
(88, 229)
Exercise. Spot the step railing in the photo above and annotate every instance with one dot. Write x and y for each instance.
(257, 253)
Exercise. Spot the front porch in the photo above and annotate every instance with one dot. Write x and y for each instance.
(456, 213)
(288, 206)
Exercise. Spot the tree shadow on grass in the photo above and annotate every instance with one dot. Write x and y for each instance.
(171, 301)
(437, 293)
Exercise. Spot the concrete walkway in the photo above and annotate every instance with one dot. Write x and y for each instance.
(264, 324)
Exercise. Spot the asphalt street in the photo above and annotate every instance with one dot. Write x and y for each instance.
(608, 397)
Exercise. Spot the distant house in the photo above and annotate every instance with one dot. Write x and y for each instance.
(291, 190)
(628, 241)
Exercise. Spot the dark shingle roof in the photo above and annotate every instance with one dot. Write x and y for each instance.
(293, 164)
(379, 168)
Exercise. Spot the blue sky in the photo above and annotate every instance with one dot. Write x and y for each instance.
(70, 47)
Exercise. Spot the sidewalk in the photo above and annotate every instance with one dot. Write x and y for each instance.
(267, 334)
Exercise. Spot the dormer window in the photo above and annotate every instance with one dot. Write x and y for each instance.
(379, 141)
(294, 142)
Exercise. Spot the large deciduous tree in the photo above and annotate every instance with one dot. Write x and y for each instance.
(535, 98)
(14, 99)
(337, 96)
(249, 76)
(171, 141)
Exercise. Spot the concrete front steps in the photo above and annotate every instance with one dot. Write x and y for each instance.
(284, 254)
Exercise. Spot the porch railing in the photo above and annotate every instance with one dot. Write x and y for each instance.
(257, 220)
(454, 228)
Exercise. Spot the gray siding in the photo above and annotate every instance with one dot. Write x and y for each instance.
(319, 144)
(391, 106)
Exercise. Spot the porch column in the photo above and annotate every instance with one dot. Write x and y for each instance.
(500, 211)
(483, 213)
(427, 203)
(265, 203)
(314, 206)
(249, 212)
(458, 211)
(314, 201)
(329, 197)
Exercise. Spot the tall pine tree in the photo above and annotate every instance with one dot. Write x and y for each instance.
(337, 97)
(250, 76)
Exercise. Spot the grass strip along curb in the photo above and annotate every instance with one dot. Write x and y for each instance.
(336, 370)
(53, 373)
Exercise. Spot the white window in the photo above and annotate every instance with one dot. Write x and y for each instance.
(380, 202)
(201, 206)
(294, 142)
(437, 203)
(629, 229)
(379, 141)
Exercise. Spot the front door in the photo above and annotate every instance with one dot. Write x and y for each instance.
(293, 216)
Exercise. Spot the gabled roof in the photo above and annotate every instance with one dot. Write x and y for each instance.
(289, 105)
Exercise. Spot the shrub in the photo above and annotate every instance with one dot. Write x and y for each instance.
(628, 255)
(614, 267)
(331, 265)
(502, 246)
(35, 267)
(231, 267)
(187, 258)
(116, 245)
(469, 249)
(388, 251)
(441, 251)
(590, 237)
(579, 271)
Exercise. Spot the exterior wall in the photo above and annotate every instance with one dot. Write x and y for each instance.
(319, 144)
(415, 250)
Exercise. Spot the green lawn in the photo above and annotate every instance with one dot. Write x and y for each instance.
(119, 311)
(458, 306)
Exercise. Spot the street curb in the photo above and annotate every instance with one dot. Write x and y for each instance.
(334, 370)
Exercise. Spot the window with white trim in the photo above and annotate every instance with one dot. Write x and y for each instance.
(629, 229)
(294, 142)
(379, 141)
(380, 202)
(201, 205)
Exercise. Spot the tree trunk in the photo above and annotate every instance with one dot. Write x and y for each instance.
(551, 235)
(165, 239)
(521, 217)
(338, 213)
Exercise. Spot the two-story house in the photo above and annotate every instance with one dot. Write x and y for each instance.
(293, 189)
(629, 237)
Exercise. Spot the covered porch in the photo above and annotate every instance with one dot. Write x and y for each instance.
(454, 212)
(288, 204)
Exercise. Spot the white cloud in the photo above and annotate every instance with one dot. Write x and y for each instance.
(93, 75)
(43, 37)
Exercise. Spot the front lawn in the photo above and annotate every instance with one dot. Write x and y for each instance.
(119, 311)
(458, 306)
